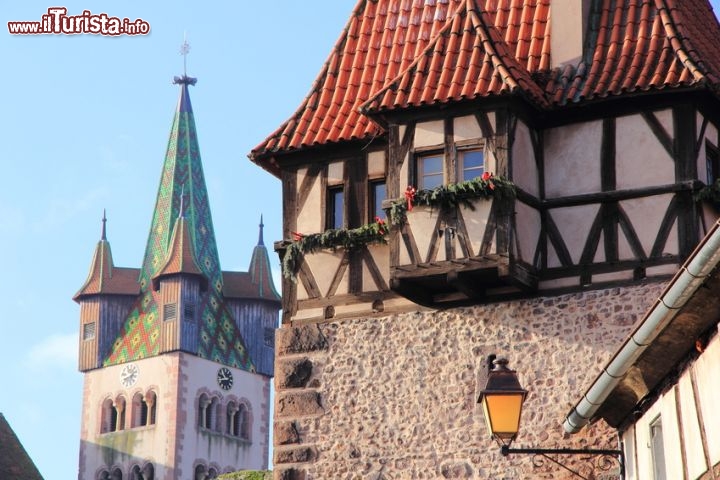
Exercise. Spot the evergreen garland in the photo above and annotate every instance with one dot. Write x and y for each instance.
(451, 195)
(348, 239)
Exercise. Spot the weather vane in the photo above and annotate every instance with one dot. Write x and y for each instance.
(184, 50)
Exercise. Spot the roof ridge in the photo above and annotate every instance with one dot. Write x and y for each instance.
(677, 42)
(419, 57)
(499, 62)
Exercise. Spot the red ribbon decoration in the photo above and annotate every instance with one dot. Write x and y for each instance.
(410, 197)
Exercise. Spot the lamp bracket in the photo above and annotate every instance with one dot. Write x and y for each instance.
(601, 455)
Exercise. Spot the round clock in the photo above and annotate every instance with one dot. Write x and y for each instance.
(225, 378)
(129, 375)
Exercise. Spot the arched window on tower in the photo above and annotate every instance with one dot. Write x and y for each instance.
(147, 472)
(103, 475)
(143, 409)
(243, 422)
(203, 414)
(116, 474)
(213, 421)
(120, 413)
(139, 412)
(230, 422)
(150, 401)
(108, 417)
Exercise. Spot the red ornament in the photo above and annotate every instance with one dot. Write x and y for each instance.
(410, 197)
(297, 236)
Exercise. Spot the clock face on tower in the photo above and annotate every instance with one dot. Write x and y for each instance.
(225, 378)
(129, 375)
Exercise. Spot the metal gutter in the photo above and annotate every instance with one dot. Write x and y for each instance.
(681, 288)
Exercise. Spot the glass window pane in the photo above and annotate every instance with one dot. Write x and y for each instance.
(378, 192)
(337, 209)
(430, 172)
(473, 164)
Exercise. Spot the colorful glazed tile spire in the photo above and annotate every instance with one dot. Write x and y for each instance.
(182, 187)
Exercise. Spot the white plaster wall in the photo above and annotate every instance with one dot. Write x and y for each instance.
(524, 168)
(691, 429)
(574, 224)
(671, 436)
(527, 221)
(706, 369)
(308, 219)
(476, 223)
(376, 163)
(335, 171)
(646, 215)
(199, 374)
(629, 448)
(466, 128)
(381, 256)
(323, 265)
(429, 133)
(422, 221)
(641, 161)
(642, 440)
(572, 159)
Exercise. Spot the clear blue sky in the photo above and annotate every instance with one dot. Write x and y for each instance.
(84, 126)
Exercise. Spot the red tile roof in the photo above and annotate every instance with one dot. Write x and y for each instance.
(105, 278)
(643, 45)
(398, 54)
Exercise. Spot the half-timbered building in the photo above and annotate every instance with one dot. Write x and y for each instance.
(537, 169)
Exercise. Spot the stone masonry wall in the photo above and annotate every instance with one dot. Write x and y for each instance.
(395, 397)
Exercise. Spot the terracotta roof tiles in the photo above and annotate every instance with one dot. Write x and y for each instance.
(399, 54)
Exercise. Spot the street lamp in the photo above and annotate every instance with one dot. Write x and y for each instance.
(502, 400)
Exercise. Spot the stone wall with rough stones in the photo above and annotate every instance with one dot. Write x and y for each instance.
(395, 397)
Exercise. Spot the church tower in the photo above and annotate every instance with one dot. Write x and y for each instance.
(177, 355)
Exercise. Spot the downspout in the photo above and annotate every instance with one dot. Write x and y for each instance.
(686, 281)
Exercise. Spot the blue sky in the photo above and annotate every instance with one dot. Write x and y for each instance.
(84, 126)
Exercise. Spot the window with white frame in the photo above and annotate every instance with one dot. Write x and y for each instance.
(657, 449)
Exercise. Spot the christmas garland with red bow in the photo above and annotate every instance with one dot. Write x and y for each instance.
(348, 239)
(450, 195)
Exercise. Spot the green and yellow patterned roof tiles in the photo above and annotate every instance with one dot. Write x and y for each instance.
(182, 187)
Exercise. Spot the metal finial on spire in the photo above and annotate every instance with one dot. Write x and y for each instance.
(260, 238)
(103, 236)
(184, 50)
